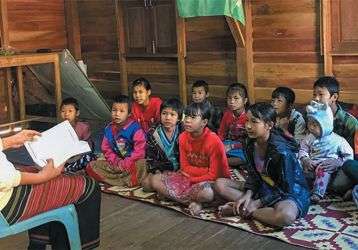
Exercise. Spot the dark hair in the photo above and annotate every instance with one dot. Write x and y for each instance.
(201, 83)
(198, 109)
(263, 111)
(328, 82)
(141, 81)
(289, 96)
(174, 104)
(122, 99)
(71, 101)
(241, 88)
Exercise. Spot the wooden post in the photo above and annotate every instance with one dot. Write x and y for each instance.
(237, 33)
(249, 51)
(73, 28)
(181, 47)
(58, 87)
(121, 49)
(4, 24)
(20, 81)
(327, 36)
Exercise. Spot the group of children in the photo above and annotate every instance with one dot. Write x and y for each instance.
(185, 154)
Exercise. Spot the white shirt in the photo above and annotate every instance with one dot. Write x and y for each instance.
(9, 178)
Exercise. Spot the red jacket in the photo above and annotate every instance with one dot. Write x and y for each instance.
(232, 127)
(203, 158)
(149, 115)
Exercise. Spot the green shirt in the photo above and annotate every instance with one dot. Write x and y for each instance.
(345, 125)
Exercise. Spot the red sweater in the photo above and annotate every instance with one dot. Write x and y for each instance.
(203, 158)
(232, 127)
(149, 115)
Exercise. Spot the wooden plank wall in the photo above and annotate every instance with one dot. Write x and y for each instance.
(35, 24)
(99, 44)
(286, 45)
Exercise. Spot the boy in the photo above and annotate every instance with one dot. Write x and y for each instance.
(70, 111)
(122, 146)
(326, 90)
(200, 94)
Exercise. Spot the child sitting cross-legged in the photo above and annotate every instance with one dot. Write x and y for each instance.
(202, 161)
(162, 150)
(232, 127)
(122, 146)
(275, 192)
(322, 151)
(70, 111)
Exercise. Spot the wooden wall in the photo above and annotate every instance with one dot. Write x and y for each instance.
(35, 24)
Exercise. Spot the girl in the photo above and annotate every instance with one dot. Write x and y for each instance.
(145, 109)
(162, 151)
(288, 119)
(202, 161)
(275, 192)
(24, 195)
(122, 146)
(232, 126)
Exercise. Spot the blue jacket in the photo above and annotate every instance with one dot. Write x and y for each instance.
(283, 167)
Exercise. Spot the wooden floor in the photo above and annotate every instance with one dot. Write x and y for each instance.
(127, 224)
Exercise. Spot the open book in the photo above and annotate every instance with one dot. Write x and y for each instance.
(58, 143)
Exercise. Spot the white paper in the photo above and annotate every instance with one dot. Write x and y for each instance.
(58, 143)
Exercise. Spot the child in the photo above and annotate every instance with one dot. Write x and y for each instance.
(122, 146)
(326, 90)
(322, 151)
(288, 119)
(162, 151)
(24, 195)
(275, 192)
(200, 94)
(145, 109)
(232, 127)
(202, 161)
(70, 111)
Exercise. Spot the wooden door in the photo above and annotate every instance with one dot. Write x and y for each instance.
(164, 29)
(137, 23)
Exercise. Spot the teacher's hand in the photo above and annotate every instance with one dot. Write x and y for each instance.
(19, 139)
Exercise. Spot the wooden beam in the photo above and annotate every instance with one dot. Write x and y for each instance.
(30, 59)
(249, 51)
(327, 36)
(4, 24)
(73, 29)
(121, 49)
(236, 31)
(58, 87)
(181, 48)
(20, 82)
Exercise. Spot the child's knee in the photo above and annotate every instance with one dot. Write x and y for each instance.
(285, 218)
(220, 185)
(147, 183)
(206, 195)
(155, 181)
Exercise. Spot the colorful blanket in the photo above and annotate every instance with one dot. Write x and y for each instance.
(331, 224)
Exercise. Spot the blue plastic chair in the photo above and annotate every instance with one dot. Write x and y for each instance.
(67, 215)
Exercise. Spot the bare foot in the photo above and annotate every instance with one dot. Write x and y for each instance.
(195, 208)
(315, 198)
(227, 210)
(348, 195)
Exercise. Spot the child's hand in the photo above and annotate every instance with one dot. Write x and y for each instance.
(330, 165)
(306, 164)
(241, 204)
(49, 171)
(253, 205)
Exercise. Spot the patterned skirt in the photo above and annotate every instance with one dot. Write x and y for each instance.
(29, 200)
(180, 188)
